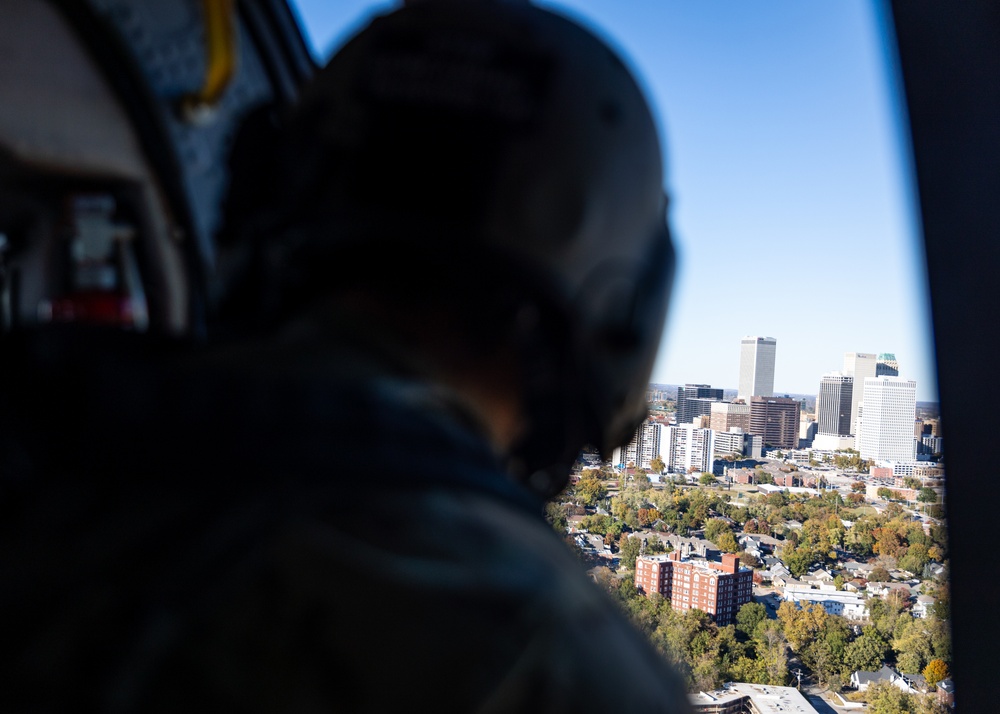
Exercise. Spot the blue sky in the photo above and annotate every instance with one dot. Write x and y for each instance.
(792, 197)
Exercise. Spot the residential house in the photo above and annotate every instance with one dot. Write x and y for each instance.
(818, 576)
(861, 680)
(923, 605)
(909, 683)
(946, 692)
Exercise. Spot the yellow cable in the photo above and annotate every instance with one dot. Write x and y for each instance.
(221, 53)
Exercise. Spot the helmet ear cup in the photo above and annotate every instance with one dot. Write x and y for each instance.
(622, 347)
(587, 385)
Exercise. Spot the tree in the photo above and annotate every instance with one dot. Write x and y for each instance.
(915, 559)
(860, 539)
(629, 547)
(801, 625)
(727, 543)
(889, 541)
(894, 510)
(927, 495)
(879, 575)
(714, 528)
(655, 545)
(797, 560)
(555, 514)
(647, 516)
(757, 525)
(824, 655)
(749, 616)
(914, 645)
(777, 499)
(867, 653)
(772, 648)
(590, 489)
(641, 481)
(656, 465)
(747, 669)
(885, 698)
(706, 479)
(935, 671)
(884, 493)
(858, 487)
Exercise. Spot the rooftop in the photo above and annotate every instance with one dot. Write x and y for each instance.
(714, 567)
(766, 699)
(885, 674)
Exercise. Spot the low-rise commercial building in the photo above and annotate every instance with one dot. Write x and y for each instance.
(737, 441)
(740, 698)
(835, 602)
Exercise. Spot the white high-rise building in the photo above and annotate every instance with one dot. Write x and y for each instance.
(861, 366)
(885, 429)
(644, 446)
(686, 447)
(756, 367)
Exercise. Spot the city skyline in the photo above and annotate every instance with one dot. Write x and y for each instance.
(792, 199)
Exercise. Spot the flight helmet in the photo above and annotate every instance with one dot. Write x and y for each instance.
(496, 139)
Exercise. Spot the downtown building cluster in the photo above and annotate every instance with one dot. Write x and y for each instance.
(707, 425)
(867, 407)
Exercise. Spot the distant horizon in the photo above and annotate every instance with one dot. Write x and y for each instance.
(777, 392)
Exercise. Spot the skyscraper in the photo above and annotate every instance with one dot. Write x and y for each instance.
(833, 413)
(887, 365)
(833, 405)
(885, 431)
(776, 419)
(756, 367)
(643, 448)
(687, 447)
(861, 366)
(695, 400)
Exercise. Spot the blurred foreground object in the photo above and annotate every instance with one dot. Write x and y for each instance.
(438, 276)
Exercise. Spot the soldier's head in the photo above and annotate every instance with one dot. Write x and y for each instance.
(493, 169)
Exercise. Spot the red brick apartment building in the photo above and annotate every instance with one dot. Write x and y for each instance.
(716, 588)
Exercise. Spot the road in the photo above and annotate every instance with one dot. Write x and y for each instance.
(821, 705)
